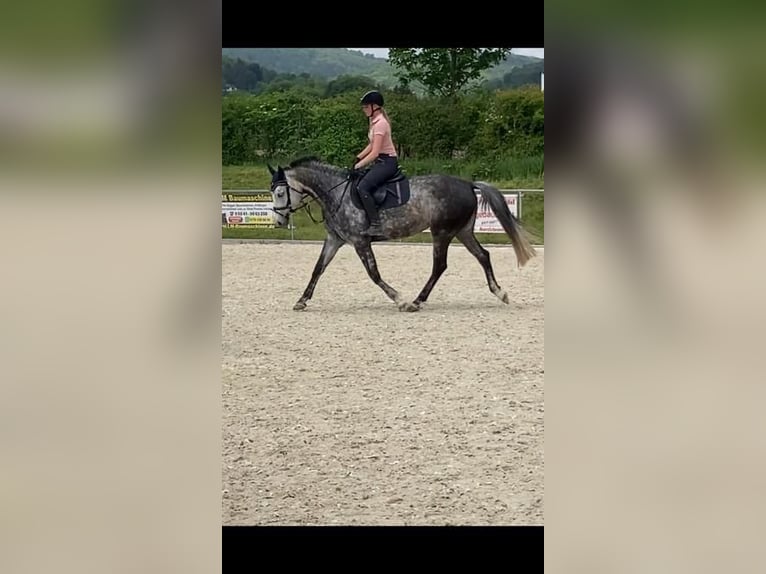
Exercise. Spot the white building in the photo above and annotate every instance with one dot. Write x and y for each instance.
(542, 81)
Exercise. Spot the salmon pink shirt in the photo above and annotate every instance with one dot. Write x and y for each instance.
(380, 125)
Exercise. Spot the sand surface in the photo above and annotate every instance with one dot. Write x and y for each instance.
(351, 412)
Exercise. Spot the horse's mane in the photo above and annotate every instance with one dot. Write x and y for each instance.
(306, 159)
(315, 162)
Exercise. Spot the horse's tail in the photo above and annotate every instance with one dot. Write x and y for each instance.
(521, 245)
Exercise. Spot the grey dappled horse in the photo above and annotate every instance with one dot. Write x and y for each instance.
(408, 205)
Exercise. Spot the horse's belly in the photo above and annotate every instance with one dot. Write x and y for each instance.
(410, 219)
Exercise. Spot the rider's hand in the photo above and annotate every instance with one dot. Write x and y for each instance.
(355, 171)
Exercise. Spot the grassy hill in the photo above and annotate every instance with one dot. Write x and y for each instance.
(330, 63)
(512, 61)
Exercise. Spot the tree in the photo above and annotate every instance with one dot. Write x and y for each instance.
(402, 88)
(242, 75)
(444, 71)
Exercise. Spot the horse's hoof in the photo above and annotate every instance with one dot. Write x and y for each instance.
(299, 306)
(505, 299)
(410, 307)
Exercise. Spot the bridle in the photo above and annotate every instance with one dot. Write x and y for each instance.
(289, 209)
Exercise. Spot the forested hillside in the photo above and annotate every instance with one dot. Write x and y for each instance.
(330, 63)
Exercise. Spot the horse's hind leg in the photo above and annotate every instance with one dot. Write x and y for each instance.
(468, 239)
(441, 245)
(364, 250)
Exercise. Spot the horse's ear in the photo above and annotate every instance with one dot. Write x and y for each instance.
(271, 169)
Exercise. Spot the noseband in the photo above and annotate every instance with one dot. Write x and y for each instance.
(289, 208)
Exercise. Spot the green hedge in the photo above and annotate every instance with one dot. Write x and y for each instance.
(481, 127)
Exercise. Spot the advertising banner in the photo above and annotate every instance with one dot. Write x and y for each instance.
(251, 209)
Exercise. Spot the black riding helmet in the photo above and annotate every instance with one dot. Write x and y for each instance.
(372, 97)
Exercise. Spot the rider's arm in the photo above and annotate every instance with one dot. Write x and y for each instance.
(377, 145)
(362, 154)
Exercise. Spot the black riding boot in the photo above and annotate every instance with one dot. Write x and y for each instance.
(372, 214)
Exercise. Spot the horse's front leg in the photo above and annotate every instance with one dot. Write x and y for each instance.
(331, 245)
(364, 250)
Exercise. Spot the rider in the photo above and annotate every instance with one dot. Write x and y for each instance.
(380, 152)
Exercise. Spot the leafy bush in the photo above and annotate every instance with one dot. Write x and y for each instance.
(481, 127)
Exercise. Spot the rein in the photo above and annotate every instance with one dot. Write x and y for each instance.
(303, 203)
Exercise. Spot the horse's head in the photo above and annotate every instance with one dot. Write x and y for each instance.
(286, 199)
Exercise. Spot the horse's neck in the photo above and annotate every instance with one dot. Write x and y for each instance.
(325, 186)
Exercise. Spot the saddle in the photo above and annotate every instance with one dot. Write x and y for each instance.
(394, 192)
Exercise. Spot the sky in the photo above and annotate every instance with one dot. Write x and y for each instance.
(383, 52)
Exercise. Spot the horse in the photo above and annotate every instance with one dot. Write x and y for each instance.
(445, 204)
